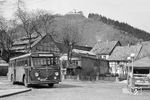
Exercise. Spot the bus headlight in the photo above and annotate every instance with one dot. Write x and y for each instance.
(36, 74)
(56, 73)
(55, 78)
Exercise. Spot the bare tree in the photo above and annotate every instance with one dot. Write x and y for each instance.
(70, 37)
(26, 21)
(39, 22)
(3, 23)
(44, 23)
(5, 40)
(12, 29)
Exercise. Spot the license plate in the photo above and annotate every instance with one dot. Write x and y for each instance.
(139, 81)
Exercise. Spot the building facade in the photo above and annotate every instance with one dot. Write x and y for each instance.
(118, 58)
(36, 44)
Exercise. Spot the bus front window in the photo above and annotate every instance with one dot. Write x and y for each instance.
(43, 61)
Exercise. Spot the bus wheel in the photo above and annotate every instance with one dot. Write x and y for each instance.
(12, 79)
(25, 82)
(51, 84)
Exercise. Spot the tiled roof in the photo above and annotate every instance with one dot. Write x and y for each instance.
(145, 50)
(144, 62)
(122, 52)
(84, 48)
(82, 52)
(22, 44)
(104, 47)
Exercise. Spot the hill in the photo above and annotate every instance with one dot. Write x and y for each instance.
(95, 29)
(99, 28)
(128, 29)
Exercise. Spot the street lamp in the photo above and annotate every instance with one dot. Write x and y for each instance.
(130, 58)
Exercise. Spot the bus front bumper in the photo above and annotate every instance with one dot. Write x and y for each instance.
(44, 82)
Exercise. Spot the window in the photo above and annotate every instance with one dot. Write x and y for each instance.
(22, 62)
(43, 61)
(141, 71)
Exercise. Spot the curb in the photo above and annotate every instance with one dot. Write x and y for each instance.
(9, 92)
(125, 90)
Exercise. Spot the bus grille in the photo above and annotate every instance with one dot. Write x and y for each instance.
(43, 73)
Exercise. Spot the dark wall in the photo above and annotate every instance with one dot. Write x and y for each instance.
(3, 70)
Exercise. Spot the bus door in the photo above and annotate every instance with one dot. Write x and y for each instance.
(27, 67)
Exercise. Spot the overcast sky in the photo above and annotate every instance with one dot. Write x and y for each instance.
(133, 12)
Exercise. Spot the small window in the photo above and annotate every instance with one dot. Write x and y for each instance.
(141, 71)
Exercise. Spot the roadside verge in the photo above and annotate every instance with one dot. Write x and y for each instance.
(9, 92)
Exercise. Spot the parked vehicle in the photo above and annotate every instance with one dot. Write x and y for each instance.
(140, 78)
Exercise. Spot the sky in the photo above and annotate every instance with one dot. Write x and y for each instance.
(133, 12)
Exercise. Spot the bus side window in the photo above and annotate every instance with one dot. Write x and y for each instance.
(42, 62)
(51, 59)
(26, 62)
(48, 61)
(54, 61)
(10, 64)
(13, 63)
(17, 63)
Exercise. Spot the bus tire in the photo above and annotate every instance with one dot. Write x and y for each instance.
(25, 81)
(51, 84)
(12, 79)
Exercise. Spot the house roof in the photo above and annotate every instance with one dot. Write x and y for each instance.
(104, 47)
(84, 48)
(145, 50)
(122, 52)
(82, 52)
(21, 45)
(63, 48)
(3, 63)
(144, 62)
(65, 57)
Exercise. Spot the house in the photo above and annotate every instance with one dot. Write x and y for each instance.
(37, 44)
(104, 49)
(89, 66)
(3, 67)
(75, 59)
(118, 58)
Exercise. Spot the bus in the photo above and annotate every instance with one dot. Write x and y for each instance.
(35, 68)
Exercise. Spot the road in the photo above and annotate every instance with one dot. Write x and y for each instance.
(70, 90)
